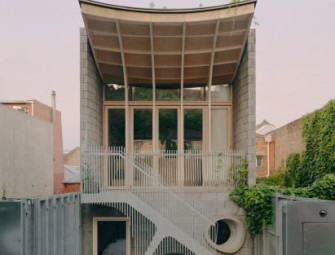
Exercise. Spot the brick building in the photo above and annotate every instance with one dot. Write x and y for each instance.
(265, 149)
(274, 145)
(288, 140)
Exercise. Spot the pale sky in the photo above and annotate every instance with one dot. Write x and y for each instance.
(295, 54)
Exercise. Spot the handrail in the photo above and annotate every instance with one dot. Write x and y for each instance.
(140, 174)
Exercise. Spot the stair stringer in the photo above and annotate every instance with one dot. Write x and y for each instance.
(164, 228)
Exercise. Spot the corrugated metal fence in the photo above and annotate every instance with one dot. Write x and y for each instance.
(41, 226)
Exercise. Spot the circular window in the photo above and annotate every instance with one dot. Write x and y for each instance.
(220, 233)
(227, 235)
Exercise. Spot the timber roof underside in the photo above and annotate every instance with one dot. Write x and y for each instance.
(168, 48)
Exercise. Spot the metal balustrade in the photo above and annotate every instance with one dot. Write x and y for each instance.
(151, 184)
(115, 169)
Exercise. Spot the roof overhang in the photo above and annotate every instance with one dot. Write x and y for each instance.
(167, 47)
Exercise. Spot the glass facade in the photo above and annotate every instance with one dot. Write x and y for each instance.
(168, 118)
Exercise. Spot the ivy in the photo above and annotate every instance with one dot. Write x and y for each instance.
(310, 175)
(293, 166)
(257, 199)
(318, 159)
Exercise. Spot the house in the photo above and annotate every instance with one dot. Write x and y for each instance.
(265, 149)
(274, 145)
(72, 170)
(167, 119)
(288, 140)
(34, 110)
(26, 162)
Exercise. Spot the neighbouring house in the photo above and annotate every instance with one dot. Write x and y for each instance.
(288, 140)
(26, 155)
(72, 171)
(35, 110)
(265, 149)
(274, 145)
(167, 119)
(33, 219)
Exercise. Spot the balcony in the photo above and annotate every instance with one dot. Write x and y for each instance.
(115, 169)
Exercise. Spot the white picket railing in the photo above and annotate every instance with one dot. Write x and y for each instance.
(154, 180)
(114, 169)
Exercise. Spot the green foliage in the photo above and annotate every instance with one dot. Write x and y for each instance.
(323, 188)
(319, 134)
(257, 200)
(276, 179)
(312, 175)
(293, 164)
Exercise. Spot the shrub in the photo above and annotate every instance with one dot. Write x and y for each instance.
(293, 163)
(277, 179)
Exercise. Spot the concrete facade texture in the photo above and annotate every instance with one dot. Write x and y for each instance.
(44, 112)
(217, 203)
(288, 140)
(26, 155)
(91, 96)
(244, 105)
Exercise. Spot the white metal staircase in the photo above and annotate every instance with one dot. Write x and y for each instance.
(157, 228)
(163, 221)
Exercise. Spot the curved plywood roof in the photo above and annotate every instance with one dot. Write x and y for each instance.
(167, 47)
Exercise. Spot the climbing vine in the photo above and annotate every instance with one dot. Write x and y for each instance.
(318, 158)
(293, 166)
(257, 199)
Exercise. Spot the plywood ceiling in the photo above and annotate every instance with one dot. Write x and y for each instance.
(167, 47)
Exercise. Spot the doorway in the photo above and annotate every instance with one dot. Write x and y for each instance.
(111, 236)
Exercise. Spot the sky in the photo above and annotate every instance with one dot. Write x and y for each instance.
(295, 53)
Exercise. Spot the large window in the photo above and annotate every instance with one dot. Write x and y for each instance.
(143, 129)
(116, 128)
(168, 129)
(114, 92)
(219, 129)
(140, 93)
(193, 123)
(168, 118)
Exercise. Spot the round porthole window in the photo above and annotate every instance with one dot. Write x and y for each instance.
(220, 233)
(227, 235)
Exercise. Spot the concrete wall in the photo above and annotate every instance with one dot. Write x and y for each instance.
(288, 140)
(26, 155)
(244, 105)
(91, 96)
(217, 204)
(44, 112)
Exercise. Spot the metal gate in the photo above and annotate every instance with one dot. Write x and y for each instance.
(302, 226)
(40, 226)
